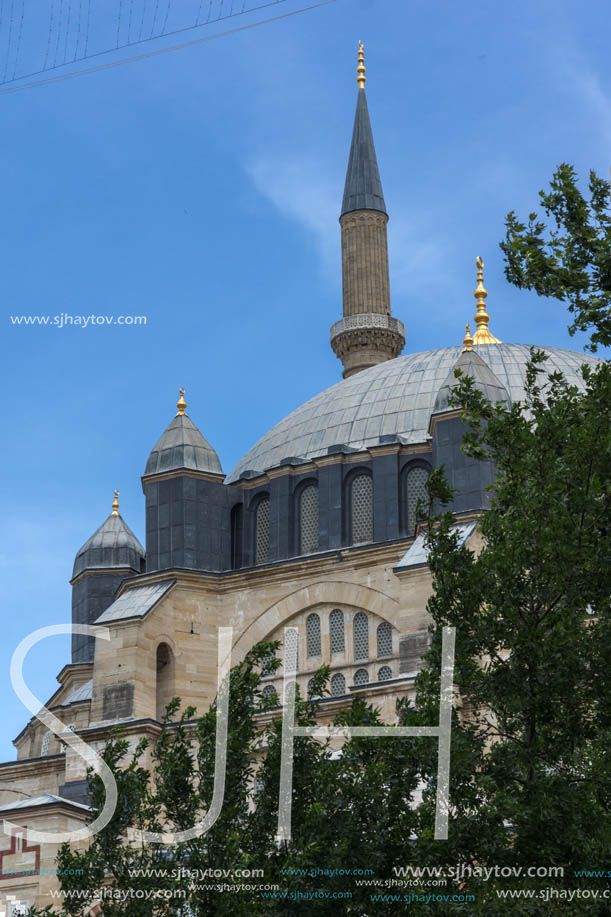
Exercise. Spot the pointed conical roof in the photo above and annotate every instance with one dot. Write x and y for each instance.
(182, 447)
(471, 364)
(112, 546)
(363, 188)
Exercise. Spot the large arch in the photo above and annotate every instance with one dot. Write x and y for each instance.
(329, 593)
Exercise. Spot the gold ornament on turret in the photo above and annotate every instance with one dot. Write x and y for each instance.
(360, 70)
(181, 404)
(467, 340)
(115, 504)
(482, 334)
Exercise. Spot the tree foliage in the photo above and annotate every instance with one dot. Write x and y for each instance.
(568, 257)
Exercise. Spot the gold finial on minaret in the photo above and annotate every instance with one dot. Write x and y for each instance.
(482, 334)
(115, 504)
(360, 70)
(468, 340)
(181, 404)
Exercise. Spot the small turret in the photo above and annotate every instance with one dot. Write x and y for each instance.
(187, 518)
(101, 564)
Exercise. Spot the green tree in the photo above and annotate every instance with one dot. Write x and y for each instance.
(568, 258)
(531, 774)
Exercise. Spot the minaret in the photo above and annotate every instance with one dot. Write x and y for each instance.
(367, 334)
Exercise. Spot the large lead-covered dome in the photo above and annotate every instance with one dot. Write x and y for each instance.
(393, 398)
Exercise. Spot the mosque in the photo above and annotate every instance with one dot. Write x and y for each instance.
(315, 527)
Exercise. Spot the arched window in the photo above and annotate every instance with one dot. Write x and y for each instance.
(385, 673)
(165, 679)
(361, 509)
(414, 490)
(338, 685)
(270, 691)
(236, 536)
(384, 640)
(308, 520)
(291, 648)
(361, 637)
(336, 627)
(313, 635)
(361, 677)
(311, 688)
(266, 664)
(46, 739)
(262, 531)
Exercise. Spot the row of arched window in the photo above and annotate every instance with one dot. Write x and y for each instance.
(338, 682)
(360, 636)
(359, 522)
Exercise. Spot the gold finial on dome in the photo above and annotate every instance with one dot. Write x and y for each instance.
(115, 504)
(468, 340)
(181, 404)
(360, 70)
(482, 334)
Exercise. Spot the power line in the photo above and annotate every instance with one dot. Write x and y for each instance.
(148, 54)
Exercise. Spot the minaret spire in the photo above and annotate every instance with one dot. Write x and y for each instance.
(367, 334)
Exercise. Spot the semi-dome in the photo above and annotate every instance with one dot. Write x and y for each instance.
(112, 547)
(183, 447)
(395, 398)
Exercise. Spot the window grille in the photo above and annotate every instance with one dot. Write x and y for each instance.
(313, 635)
(415, 490)
(269, 690)
(338, 685)
(361, 509)
(308, 520)
(384, 640)
(385, 673)
(262, 531)
(310, 686)
(46, 739)
(266, 664)
(361, 677)
(361, 637)
(291, 648)
(336, 626)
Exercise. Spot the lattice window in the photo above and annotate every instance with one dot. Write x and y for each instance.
(308, 520)
(361, 509)
(415, 490)
(385, 673)
(313, 635)
(361, 637)
(361, 677)
(266, 664)
(262, 531)
(291, 648)
(269, 691)
(310, 687)
(46, 739)
(384, 640)
(338, 685)
(336, 627)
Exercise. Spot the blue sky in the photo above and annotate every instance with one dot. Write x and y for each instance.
(201, 188)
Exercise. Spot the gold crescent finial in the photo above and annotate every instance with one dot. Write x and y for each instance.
(115, 504)
(181, 404)
(360, 70)
(482, 334)
(468, 340)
